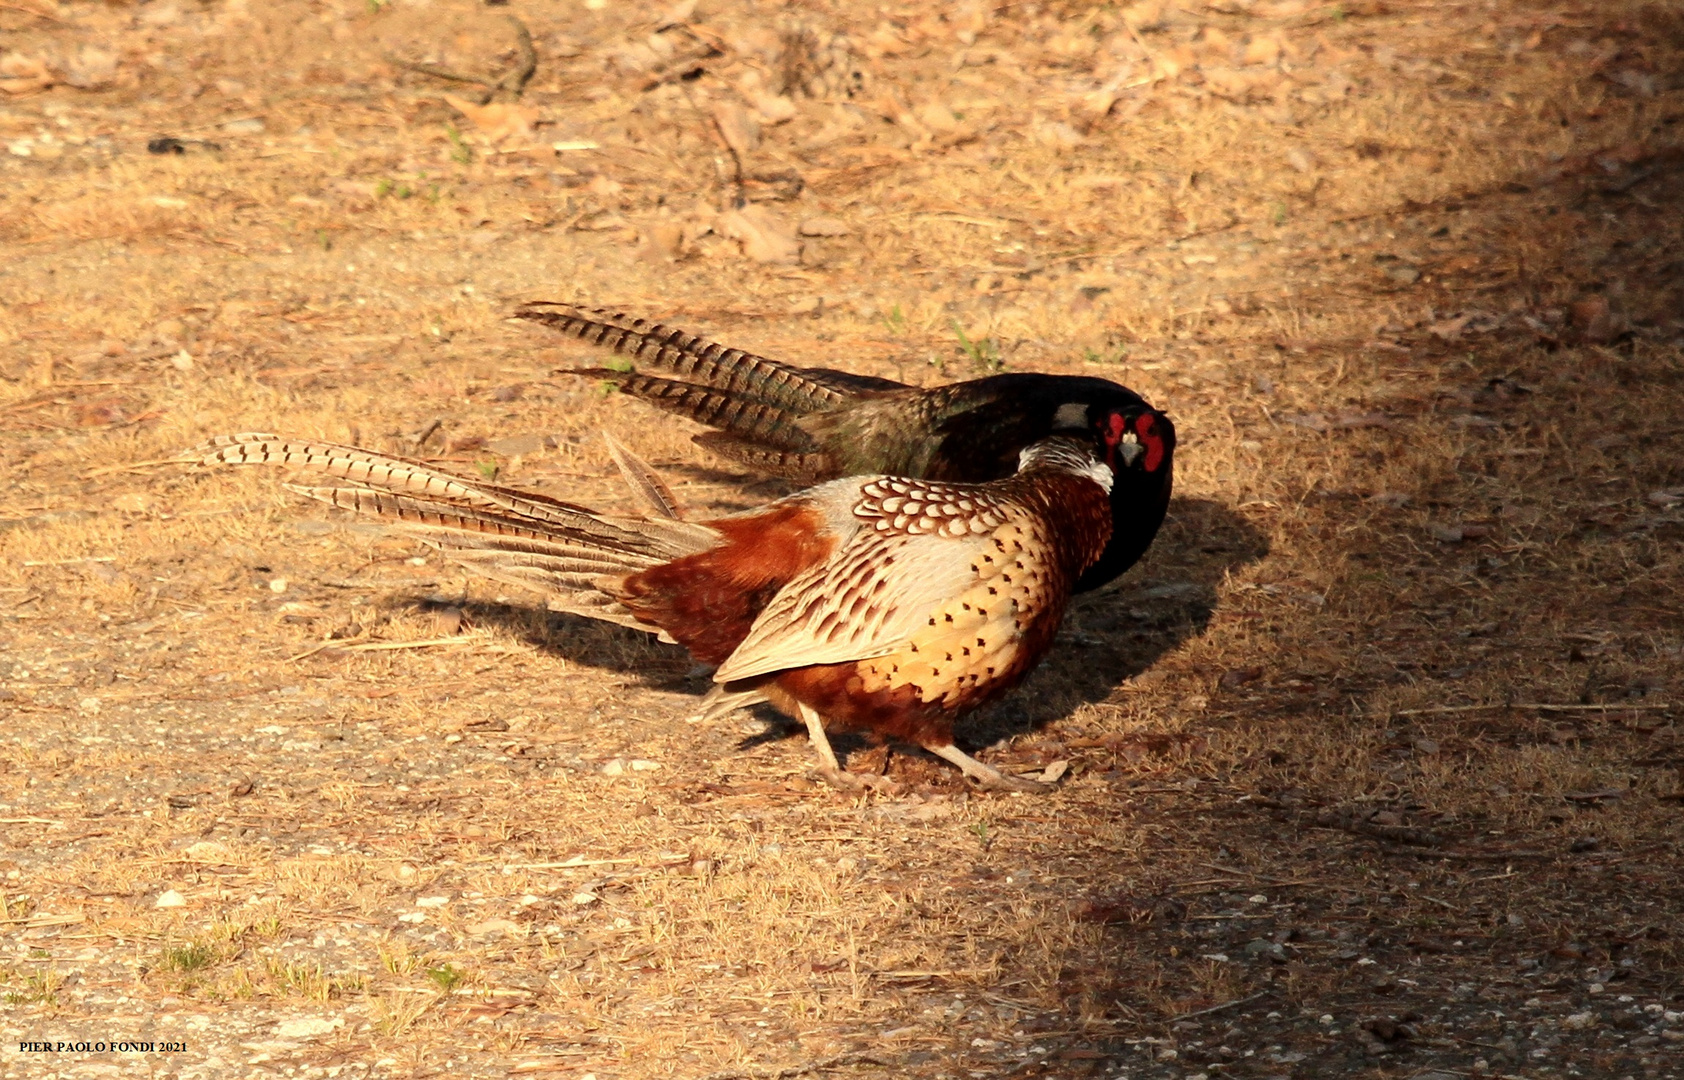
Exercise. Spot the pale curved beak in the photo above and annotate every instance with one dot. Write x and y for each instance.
(1129, 448)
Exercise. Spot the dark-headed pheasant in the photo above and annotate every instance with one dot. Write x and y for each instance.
(880, 604)
(811, 424)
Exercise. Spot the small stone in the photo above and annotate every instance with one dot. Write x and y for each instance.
(616, 767)
(412, 917)
(431, 901)
(586, 898)
(447, 622)
(307, 1027)
(516, 445)
(1426, 746)
(182, 361)
(89, 705)
(823, 226)
(644, 765)
(278, 585)
(494, 926)
(170, 899)
(1579, 1021)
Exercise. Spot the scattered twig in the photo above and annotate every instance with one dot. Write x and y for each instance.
(1255, 876)
(1533, 705)
(37, 12)
(513, 82)
(1225, 1005)
(382, 646)
(1469, 856)
(834, 1062)
(70, 562)
(1357, 823)
(564, 865)
(135, 466)
(428, 432)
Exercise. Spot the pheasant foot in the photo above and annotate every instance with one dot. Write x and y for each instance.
(987, 778)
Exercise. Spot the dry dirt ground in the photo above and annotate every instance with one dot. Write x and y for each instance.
(1375, 759)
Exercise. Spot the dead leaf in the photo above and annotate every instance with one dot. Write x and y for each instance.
(740, 131)
(90, 67)
(937, 117)
(1145, 15)
(824, 226)
(1092, 107)
(1240, 84)
(100, 413)
(772, 108)
(1263, 50)
(764, 238)
(1172, 62)
(1239, 677)
(663, 242)
(21, 74)
(499, 121)
(1593, 320)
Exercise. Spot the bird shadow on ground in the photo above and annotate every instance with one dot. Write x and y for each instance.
(1109, 636)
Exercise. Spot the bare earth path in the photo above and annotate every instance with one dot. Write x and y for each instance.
(1375, 760)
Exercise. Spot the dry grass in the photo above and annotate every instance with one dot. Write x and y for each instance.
(1408, 282)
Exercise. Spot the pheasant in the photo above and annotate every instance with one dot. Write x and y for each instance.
(810, 424)
(881, 604)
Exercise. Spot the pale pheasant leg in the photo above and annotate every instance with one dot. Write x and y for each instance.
(986, 777)
(815, 732)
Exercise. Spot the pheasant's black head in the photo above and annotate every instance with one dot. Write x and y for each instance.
(1134, 436)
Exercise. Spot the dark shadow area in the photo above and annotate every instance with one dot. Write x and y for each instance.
(1454, 759)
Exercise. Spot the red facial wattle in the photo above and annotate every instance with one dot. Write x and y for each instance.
(1146, 427)
(1112, 434)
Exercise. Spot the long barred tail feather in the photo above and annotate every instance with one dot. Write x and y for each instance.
(745, 417)
(691, 358)
(511, 507)
(643, 480)
(804, 468)
(516, 536)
